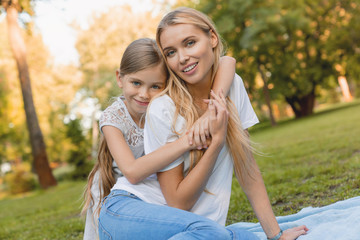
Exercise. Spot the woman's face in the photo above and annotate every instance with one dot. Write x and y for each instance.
(189, 52)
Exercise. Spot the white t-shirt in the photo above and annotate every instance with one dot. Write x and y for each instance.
(158, 131)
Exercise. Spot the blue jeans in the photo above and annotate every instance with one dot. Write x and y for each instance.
(125, 216)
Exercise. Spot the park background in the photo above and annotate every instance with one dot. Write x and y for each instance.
(300, 62)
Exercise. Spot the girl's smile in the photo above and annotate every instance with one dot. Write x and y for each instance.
(142, 103)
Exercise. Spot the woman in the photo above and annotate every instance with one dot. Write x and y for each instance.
(192, 48)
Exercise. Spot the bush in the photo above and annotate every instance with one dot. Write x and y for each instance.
(20, 180)
(79, 155)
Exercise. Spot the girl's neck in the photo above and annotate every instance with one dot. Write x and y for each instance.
(138, 118)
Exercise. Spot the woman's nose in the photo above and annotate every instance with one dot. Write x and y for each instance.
(183, 57)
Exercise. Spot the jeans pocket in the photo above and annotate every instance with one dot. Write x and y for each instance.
(103, 234)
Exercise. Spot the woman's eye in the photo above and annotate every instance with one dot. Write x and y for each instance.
(190, 43)
(170, 53)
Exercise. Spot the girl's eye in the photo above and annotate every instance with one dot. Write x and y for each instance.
(156, 87)
(136, 84)
(170, 53)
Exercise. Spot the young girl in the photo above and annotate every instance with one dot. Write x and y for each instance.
(142, 75)
(192, 47)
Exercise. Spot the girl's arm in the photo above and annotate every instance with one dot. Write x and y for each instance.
(136, 170)
(183, 192)
(222, 82)
(224, 75)
(255, 190)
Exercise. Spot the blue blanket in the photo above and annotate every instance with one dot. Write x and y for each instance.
(337, 221)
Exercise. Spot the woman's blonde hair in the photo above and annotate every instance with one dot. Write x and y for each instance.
(237, 139)
(139, 55)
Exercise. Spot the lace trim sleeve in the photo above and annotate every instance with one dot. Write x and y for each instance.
(114, 115)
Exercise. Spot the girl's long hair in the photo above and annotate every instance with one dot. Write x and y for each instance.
(237, 140)
(139, 55)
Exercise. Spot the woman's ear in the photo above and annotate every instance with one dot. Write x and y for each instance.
(214, 39)
(118, 78)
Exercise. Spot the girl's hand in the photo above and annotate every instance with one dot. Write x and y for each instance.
(218, 118)
(294, 233)
(199, 133)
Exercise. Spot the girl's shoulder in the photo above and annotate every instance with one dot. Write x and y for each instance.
(116, 115)
(117, 107)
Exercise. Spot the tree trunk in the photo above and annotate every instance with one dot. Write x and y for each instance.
(267, 95)
(302, 106)
(40, 160)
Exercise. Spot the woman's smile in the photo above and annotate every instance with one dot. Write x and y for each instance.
(190, 68)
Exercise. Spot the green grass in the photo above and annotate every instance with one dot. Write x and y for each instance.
(314, 161)
(50, 214)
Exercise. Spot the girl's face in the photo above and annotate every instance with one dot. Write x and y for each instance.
(140, 87)
(189, 52)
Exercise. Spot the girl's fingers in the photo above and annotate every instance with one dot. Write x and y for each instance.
(212, 110)
(206, 128)
(190, 135)
(222, 96)
(221, 112)
(197, 137)
(218, 98)
(202, 136)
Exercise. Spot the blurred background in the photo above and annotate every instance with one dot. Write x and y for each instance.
(296, 58)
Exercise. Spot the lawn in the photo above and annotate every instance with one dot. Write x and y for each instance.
(314, 161)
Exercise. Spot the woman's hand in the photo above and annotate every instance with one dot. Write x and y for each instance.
(199, 133)
(294, 233)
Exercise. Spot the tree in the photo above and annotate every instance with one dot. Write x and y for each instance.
(289, 40)
(100, 56)
(40, 160)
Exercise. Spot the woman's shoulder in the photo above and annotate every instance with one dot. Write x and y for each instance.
(161, 103)
(238, 80)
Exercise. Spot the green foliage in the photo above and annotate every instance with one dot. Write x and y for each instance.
(100, 56)
(20, 179)
(80, 153)
(299, 44)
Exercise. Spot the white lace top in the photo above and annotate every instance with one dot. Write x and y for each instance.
(118, 116)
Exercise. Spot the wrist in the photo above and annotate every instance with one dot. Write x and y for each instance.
(184, 142)
(277, 236)
(217, 142)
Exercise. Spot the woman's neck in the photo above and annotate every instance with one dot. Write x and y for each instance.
(199, 92)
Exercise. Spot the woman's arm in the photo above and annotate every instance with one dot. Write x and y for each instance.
(183, 192)
(222, 82)
(254, 188)
(135, 170)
